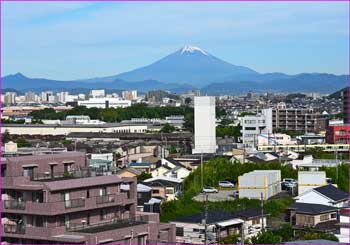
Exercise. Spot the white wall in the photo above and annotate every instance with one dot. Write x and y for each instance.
(204, 125)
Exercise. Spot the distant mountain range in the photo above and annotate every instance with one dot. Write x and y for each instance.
(186, 69)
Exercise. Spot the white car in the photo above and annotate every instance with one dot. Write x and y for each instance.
(226, 184)
(210, 190)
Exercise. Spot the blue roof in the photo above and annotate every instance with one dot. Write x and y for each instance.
(140, 164)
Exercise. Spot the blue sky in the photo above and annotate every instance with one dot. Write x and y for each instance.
(84, 40)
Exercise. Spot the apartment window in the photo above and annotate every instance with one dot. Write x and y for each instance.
(60, 221)
(155, 191)
(87, 193)
(250, 128)
(179, 231)
(333, 215)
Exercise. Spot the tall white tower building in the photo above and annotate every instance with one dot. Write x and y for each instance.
(204, 125)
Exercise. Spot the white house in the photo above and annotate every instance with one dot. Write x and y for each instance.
(220, 224)
(344, 226)
(328, 195)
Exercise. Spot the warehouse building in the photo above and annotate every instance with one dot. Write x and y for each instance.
(308, 180)
(259, 183)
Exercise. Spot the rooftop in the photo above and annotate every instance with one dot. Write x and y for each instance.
(309, 208)
(332, 192)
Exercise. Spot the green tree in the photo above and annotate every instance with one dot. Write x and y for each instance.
(167, 128)
(143, 176)
(231, 239)
(5, 137)
(266, 237)
(22, 142)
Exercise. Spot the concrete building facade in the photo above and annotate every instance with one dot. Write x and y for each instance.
(204, 125)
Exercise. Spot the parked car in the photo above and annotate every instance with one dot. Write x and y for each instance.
(209, 189)
(289, 180)
(233, 181)
(226, 184)
(235, 193)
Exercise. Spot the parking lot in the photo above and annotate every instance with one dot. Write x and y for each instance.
(223, 195)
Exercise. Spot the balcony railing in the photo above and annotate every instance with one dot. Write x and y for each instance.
(105, 199)
(108, 225)
(74, 203)
(14, 228)
(14, 204)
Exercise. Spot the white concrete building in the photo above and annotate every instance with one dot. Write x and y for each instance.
(275, 139)
(129, 95)
(47, 129)
(105, 103)
(204, 125)
(259, 183)
(10, 98)
(328, 195)
(344, 226)
(97, 93)
(254, 125)
(308, 180)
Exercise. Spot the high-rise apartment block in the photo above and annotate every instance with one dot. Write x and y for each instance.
(58, 199)
(298, 119)
(129, 95)
(204, 125)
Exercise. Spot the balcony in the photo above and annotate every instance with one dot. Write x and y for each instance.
(105, 199)
(14, 204)
(108, 225)
(61, 207)
(14, 229)
(74, 203)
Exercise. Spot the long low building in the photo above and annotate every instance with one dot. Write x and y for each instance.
(43, 129)
(302, 148)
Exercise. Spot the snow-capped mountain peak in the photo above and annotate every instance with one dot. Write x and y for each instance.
(192, 49)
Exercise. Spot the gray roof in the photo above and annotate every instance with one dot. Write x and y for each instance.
(332, 192)
(310, 208)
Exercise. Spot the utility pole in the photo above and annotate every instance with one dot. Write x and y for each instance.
(205, 220)
(336, 161)
(202, 171)
(262, 212)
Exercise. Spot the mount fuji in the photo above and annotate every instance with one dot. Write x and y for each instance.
(190, 65)
(190, 68)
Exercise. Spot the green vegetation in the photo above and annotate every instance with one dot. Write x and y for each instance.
(67, 142)
(9, 121)
(6, 137)
(215, 170)
(291, 133)
(231, 131)
(115, 114)
(167, 128)
(343, 175)
(311, 235)
(220, 168)
(143, 176)
(22, 142)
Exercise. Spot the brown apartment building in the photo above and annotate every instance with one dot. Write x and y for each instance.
(58, 199)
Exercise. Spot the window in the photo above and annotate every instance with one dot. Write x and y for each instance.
(333, 215)
(179, 231)
(87, 193)
(139, 195)
(256, 221)
(324, 217)
(155, 191)
(169, 191)
(103, 214)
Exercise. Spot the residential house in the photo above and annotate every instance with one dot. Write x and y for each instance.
(165, 188)
(343, 227)
(315, 217)
(326, 195)
(142, 166)
(220, 224)
(129, 172)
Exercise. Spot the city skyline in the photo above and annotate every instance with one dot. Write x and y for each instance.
(84, 40)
